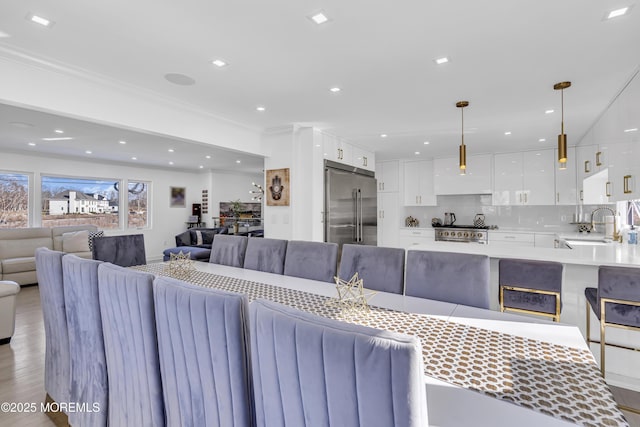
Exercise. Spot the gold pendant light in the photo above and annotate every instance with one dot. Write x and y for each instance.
(562, 138)
(463, 148)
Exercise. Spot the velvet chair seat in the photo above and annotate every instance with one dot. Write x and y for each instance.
(313, 371)
(265, 255)
(89, 383)
(451, 277)
(382, 269)
(228, 250)
(617, 283)
(125, 251)
(311, 260)
(57, 359)
(204, 356)
(131, 347)
(539, 277)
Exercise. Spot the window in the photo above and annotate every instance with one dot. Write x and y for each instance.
(633, 212)
(138, 194)
(75, 201)
(14, 200)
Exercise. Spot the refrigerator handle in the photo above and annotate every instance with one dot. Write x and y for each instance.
(355, 214)
(360, 216)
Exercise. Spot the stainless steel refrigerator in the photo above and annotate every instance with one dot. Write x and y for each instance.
(350, 205)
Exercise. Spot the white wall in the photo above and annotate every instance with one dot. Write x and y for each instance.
(166, 222)
(278, 148)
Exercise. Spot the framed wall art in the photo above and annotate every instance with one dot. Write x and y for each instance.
(177, 197)
(278, 187)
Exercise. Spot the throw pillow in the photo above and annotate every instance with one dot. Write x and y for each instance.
(198, 237)
(75, 241)
(93, 234)
(207, 236)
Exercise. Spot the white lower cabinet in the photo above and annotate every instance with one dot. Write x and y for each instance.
(511, 238)
(388, 219)
(415, 236)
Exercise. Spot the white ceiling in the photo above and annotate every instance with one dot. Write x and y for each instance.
(505, 57)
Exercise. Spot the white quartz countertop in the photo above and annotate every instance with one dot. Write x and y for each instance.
(611, 254)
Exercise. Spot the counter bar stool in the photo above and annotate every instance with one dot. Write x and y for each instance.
(532, 287)
(616, 303)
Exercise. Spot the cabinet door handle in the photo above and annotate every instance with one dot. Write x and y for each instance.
(626, 184)
(581, 195)
(420, 199)
(382, 214)
(607, 189)
(365, 162)
(598, 162)
(383, 185)
(587, 166)
(558, 197)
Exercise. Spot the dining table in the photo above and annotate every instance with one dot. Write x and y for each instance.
(482, 367)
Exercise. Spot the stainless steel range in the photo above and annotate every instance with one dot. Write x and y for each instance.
(462, 233)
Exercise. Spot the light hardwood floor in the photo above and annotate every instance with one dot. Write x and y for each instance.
(22, 367)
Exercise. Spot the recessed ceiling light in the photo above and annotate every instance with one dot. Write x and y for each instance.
(170, 163)
(538, 154)
(88, 151)
(319, 18)
(260, 108)
(219, 63)
(171, 150)
(58, 131)
(201, 167)
(426, 143)
(134, 158)
(441, 61)
(237, 161)
(207, 156)
(62, 138)
(548, 111)
(617, 12)
(123, 142)
(631, 130)
(416, 153)
(40, 20)
(335, 89)
(4, 35)
(33, 144)
(383, 135)
(542, 140)
(507, 133)
(179, 79)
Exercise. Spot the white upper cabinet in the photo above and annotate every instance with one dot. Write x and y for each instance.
(363, 158)
(418, 184)
(388, 176)
(524, 178)
(337, 150)
(566, 184)
(477, 180)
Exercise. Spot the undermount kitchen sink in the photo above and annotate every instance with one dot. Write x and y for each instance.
(585, 242)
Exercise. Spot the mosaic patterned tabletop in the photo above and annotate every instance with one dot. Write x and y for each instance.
(559, 381)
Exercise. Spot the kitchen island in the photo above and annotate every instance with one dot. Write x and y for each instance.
(580, 271)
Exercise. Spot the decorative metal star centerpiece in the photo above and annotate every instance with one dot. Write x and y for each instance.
(180, 265)
(352, 297)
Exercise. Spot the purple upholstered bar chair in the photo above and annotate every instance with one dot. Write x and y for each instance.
(382, 269)
(616, 303)
(228, 250)
(449, 277)
(265, 255)
(313, 371)
(532, 287)
(311, 260)
(204, 356)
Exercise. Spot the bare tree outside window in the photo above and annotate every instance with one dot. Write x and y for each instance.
(76, 201)
(138, 193)
(14, 200)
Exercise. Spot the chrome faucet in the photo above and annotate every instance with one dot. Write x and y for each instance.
(616, 236)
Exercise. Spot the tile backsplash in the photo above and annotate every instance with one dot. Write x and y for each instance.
(533, 218)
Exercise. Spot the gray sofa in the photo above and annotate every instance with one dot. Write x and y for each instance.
(18, 246)
(187, 241)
